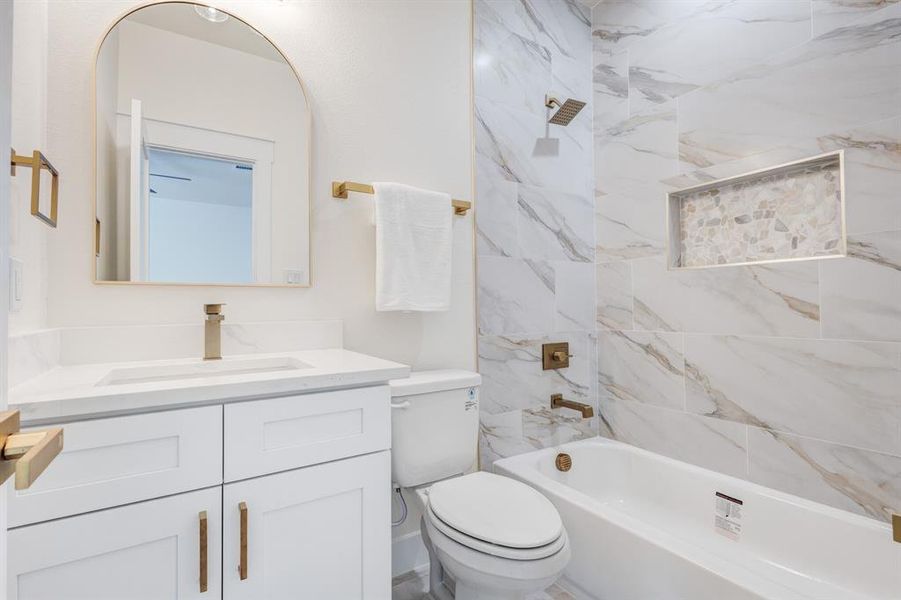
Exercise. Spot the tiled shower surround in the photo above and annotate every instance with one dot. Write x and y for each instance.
(787, 374)
(536, 243)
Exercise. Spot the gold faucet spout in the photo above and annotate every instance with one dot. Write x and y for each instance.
(212, 331)
(557, 401)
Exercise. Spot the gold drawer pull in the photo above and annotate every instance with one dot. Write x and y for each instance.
(27, 454)
(242, 566)
(204, 570)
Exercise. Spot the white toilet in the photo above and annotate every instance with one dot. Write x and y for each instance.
(498, 538)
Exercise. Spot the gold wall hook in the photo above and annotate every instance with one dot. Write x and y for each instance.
(341, 188)
(38, 162)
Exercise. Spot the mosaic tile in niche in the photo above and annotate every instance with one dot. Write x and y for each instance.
(782, 214)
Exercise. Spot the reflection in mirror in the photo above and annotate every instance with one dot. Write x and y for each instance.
(202, 153)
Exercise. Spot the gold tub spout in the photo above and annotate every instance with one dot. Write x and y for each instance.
(557, 401)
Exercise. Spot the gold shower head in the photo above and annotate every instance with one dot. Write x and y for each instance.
(567, 111)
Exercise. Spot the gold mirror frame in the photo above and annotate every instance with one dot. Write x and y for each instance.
(309, 167)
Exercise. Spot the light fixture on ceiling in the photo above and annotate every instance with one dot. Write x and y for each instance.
(211, 14)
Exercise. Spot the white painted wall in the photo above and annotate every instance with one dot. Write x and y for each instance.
(389, 86)
(28, 236)
(6, 46)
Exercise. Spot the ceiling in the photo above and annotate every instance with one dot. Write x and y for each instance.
(182, 19)
(193, 178)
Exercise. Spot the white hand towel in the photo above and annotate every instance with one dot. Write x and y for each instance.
(413, 248)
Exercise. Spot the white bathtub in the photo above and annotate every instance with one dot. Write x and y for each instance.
(642, 528)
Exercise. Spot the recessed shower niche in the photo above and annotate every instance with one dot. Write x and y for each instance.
(793, 211)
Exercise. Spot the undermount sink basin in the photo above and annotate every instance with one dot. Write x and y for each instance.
(198, 369)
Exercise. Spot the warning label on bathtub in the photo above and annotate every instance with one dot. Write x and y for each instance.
(728, 516)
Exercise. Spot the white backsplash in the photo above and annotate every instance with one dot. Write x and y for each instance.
(33, 353)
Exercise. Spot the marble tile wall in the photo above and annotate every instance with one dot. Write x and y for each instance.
(788, 375)
(535, 222)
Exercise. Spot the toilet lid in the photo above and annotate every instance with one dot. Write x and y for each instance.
(496, 509)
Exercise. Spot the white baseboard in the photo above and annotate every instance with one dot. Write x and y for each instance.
(408, 553)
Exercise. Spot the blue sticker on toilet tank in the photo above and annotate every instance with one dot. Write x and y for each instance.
(472, 402)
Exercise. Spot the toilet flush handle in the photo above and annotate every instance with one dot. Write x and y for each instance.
(404, 404)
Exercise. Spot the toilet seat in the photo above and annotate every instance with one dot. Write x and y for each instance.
(495, 549)
(496, 515)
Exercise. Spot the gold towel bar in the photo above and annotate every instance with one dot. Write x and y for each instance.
(340, 189)
(36, 162)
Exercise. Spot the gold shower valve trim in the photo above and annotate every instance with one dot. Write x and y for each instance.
(26, 454)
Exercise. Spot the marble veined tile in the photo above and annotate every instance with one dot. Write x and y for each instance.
(512, 377)
(510, 69)
(846, 392)
(642, 366)
(515, 296)
(574, 292)
(618, 24)
(868, 483)
(562, 26)
(614, 295)
(832, 14)
(518, 431)
(715, 444)
(634, 157)
(571, 78)
(779, 299)
(500, 436)
(610, 79)
(872, 171)
(546, 427)
(496, 218)
(715, 42)
(861, 294)
(555, 225)
(520, 146)
(837, 81)
(629, 227)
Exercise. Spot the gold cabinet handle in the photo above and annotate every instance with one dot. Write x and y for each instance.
(204, 553)
(242, 566)
(27, 454)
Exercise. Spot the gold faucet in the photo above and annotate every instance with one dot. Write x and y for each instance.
(212, 331)
(557, 401)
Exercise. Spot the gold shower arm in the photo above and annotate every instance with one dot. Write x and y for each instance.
(340, 189)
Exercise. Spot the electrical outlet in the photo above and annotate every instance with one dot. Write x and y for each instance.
(16, 285)
(294, 276)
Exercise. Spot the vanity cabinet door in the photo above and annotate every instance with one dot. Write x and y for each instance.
(318, 533)
(145, 551)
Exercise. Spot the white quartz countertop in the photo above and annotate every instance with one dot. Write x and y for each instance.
(69, 393)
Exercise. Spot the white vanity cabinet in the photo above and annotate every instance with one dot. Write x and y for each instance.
(118, 515)
(321, 532)
(145, 551)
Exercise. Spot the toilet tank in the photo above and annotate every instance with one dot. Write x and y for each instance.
(434, 425)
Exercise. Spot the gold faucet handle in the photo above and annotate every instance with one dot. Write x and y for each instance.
(213, 309)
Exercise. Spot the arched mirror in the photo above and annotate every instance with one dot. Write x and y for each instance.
(202, 153)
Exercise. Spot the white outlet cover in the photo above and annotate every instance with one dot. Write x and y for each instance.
(16, 284)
